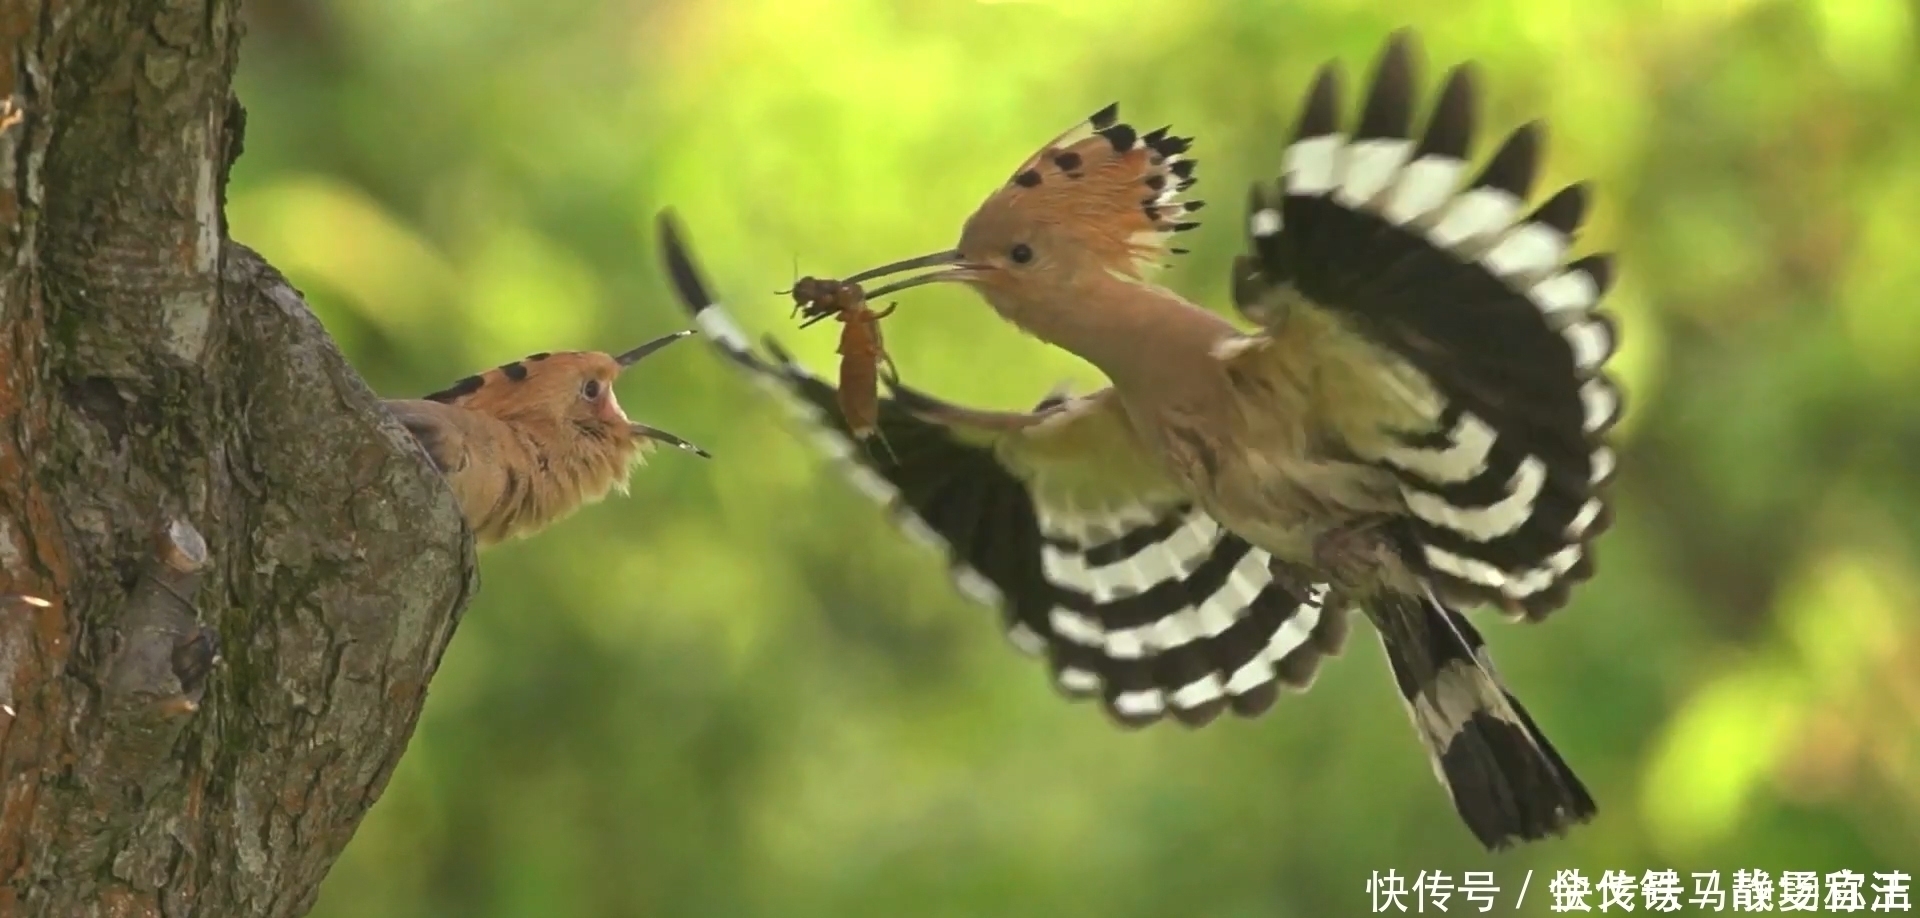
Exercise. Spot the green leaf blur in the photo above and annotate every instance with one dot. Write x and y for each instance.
(737, 692)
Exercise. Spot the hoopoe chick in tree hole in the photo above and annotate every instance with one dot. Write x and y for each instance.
(1416, 427)
(526, 444)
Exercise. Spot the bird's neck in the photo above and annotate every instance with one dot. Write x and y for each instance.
(1142, 336)
(584, 460)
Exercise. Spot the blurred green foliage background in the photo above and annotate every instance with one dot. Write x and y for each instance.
(738, 693)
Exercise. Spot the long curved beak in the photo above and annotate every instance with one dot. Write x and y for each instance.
(638, 354)
(661, 436)
(957, 270)
(648, 349)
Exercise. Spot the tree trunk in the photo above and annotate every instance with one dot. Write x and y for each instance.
(230, 572)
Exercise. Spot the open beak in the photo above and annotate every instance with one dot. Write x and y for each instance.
(956, 270)
(636, 355)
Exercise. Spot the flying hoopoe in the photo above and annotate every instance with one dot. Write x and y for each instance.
(526, 444)
(1417, 427)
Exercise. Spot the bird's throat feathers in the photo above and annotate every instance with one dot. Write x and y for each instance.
(597, 459)
(553, 471)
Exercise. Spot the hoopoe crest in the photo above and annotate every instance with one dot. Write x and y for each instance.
(1416, 426)
(1102, 193)
(1102, 198)
(526, 444)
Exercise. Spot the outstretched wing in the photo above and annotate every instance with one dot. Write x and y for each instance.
(1097, 561)
(1494, 336)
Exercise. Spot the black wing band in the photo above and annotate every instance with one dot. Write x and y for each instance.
(1505, 486)
(1155, 611)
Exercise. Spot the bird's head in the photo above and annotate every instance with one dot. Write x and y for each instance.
(571, 389)
(1100, 200)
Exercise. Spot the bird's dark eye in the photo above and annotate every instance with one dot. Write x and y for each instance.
(590, 389)
(1020, 254)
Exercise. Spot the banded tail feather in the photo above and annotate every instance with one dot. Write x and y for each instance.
(1152, 608)
(1506, 780)
(1505, 484)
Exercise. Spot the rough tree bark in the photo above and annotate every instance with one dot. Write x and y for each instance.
(251, 573)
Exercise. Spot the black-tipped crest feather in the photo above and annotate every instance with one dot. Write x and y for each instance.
(1121, 187)
(1472, 309)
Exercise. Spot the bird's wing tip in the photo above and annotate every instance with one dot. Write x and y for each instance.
(681, 270)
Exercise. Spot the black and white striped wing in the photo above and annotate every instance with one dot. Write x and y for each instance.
(1504, 482)
(1097, 563)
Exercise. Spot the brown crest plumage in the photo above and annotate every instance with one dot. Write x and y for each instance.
(1115, 191)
